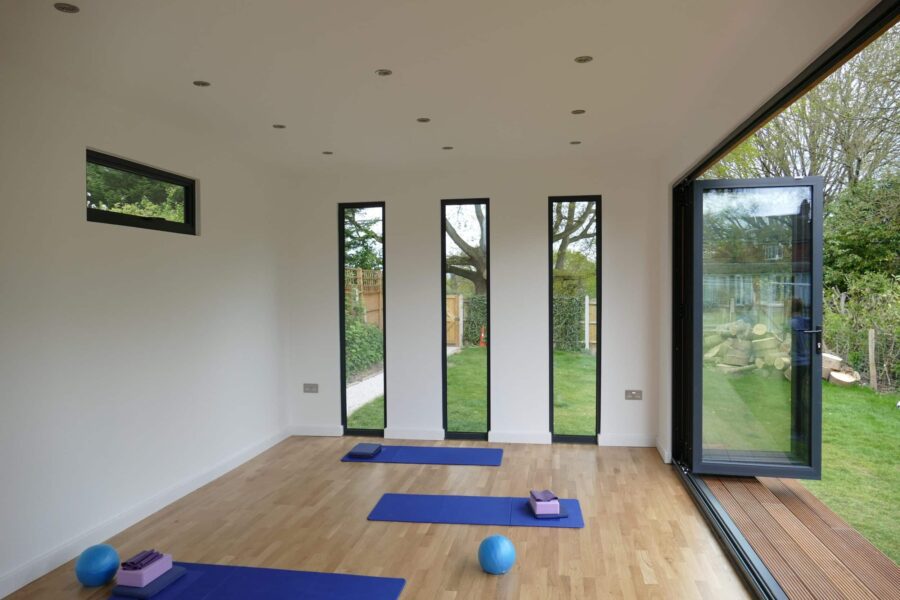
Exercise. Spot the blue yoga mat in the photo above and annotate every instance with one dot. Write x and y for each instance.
(435, 455)
(222, 582)
(470, 510)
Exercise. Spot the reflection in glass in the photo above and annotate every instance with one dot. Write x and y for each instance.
(466, 322)
(363, 335)
(574, 315)
(757, 314)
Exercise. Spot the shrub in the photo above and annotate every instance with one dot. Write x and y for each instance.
(475, 308)
(872, 302)
(568, 323)
(364, 346)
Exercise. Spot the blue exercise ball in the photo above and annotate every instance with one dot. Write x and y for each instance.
(496, 554)
(97, 565)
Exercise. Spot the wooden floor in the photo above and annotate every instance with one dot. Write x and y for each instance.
(809, 550)
(297, 506)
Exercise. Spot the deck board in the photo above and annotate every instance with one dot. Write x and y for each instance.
(808, 549)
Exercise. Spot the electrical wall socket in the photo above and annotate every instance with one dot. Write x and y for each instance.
(310, 388)
(634, 394)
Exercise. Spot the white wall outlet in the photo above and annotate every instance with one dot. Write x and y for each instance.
(634, 394)
(310, 388)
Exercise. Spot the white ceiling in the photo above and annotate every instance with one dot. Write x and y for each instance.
(497, 77)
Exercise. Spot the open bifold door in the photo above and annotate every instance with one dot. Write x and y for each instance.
(748, 327)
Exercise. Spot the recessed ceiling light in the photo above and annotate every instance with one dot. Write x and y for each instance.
(201, 83)
(279, 126)
(583, 59)
(383, 72)
(447, 148)
(327, 152)
(423, 120)
(69, 9)
(575, 142)
(578, 111)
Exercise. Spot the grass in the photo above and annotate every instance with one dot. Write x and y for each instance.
(860, 444)
(574, 393)
(861, 462)
(368, 416)
(574, 407)
(467, 390)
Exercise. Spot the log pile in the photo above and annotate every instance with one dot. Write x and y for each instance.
(740, 347)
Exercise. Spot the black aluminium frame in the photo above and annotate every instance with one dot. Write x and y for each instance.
(343, 320)
(597, 200)
(97, 215)
(464, 435)
(694, 306)
(755, 573)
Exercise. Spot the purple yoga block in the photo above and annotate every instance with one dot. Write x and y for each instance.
(544, 508)
(144, 576)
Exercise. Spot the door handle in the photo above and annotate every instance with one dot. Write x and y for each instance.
(818, 334)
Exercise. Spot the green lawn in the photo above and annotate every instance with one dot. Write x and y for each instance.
(368, 416)
(860, 444)
(574, 403)
(467, 390)
(861, 462)
(574, 393)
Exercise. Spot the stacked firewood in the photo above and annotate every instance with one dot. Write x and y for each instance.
(740, 347)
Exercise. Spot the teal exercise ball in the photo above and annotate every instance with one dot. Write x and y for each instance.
(97, 565)
(496, 554)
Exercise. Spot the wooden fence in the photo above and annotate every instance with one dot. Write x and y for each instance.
(366, 287)
(455, 320)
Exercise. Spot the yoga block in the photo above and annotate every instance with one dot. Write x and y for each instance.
(365, 450)
(544, 508)
(142, 577)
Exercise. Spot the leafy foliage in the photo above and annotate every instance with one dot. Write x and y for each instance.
(364, 346)
(363, 240)
(872, 301)
(475, 319)
(131, 194)
(568, 318)
(862, 233)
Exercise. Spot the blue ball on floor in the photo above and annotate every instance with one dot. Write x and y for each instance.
(496, 554)
(97, 565)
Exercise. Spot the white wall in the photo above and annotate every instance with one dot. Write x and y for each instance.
(632, 219)
(134, 364)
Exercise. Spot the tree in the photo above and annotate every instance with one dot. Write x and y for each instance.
(363, 239)
(846, 129)
(572, 223)
(471, 262)
(862, 233)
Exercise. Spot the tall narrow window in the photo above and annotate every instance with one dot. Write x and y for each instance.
(574, 317)
(361, 248)
(466, 301)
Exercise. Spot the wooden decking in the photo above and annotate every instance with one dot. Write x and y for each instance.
(810, 551)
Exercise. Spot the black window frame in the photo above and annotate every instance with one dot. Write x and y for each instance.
(343, 318)
(97, 215)
(464, 435)
(598, 238)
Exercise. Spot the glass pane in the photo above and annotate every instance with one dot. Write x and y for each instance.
(363, 240)
(576, 328)
(466, 323)
(128, 193)
(756, 316)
